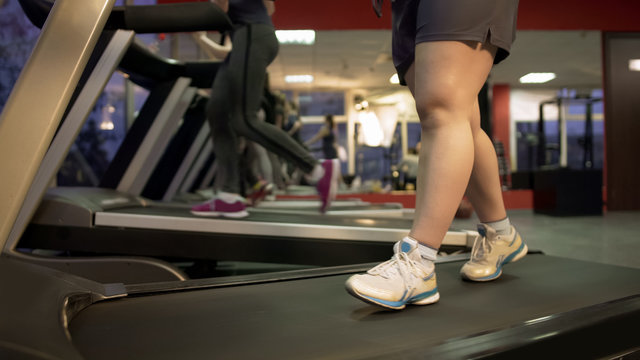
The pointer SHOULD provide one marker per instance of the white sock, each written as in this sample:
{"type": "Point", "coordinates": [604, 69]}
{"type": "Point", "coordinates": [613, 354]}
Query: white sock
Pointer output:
{"type": "Point", "coordinates": [502, 227]}
{"type": "Point", "coordinates": [316, 174]}
{"type": "Point", "coordinates": [427, 253]}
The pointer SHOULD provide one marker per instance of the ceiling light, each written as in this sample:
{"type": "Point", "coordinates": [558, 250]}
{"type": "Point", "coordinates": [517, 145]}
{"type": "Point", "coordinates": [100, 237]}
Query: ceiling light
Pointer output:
{"type": "Point", "coordinates": [394, 79]}
{"type": "Point", "coordinates": [298, 79]}
{"type": "Point", "coordinates": [634, 64]}
{"type": "Point", "coordinates": [537, 78]}
{"type": "Point", "coordinates": [296, 37]}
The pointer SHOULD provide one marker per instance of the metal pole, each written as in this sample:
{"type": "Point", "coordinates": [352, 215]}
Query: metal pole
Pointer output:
{"type": "Point", "coordinates": [60, 55]}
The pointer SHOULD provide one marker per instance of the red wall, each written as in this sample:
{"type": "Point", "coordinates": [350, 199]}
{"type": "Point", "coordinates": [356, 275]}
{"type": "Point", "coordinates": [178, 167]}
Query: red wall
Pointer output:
{"type": "Point", "coordinates": [609, 15]}
{"type": "Point", "coordinates": [500, 114]}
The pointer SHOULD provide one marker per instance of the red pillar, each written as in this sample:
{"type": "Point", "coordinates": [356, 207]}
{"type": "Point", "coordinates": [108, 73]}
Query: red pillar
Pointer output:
{"type": "Point", "coordinates": [500, 114]}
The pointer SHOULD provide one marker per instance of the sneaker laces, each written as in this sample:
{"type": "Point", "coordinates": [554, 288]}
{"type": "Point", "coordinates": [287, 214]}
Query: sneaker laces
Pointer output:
{"type": "Point", "coordinates": [481, 246]}
{"type": "Point", "coordinates": [399, 264]}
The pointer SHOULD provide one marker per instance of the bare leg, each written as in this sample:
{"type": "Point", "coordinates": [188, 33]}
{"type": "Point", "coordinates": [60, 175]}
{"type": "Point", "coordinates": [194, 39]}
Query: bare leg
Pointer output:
{"type": "Point", "coordinates": [445, 80]}
{"type": "Point", "coordinates": [484, 190]}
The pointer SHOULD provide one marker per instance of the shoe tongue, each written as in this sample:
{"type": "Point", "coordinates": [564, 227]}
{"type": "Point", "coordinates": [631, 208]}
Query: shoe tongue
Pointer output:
{"type": "Point", "coordinates": [406, 246]}
{"type": "Point", "coordinates": [485, 230]}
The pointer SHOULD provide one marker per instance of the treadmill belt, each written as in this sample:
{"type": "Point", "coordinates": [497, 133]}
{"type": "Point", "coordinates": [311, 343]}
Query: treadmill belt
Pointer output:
{"type": "Point", "coordinates": [316, 318]}
{"type": "Point", "coordinates": [268, 217]}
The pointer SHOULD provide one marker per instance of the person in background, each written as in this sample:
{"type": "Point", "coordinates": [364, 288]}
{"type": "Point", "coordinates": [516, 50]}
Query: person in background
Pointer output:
{"type": "Point", "coordinates": [293, 124]}
{"type": "Point", "coordinates": [212, 48]}
{"type": "Point", "coordinates": [327, 134]}
{"type": "Point", "coordinates": [258, 177]}
{"type": "Point", "coordinates": [232, 111]}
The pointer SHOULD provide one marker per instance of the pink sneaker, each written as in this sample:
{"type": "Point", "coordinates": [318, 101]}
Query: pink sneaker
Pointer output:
{"type": "Point", "coordinates": [217, 207]}
{"type": "Point", "coordinates": [328, 185]}
{"type": "Point", "coordinates": [258, 192]}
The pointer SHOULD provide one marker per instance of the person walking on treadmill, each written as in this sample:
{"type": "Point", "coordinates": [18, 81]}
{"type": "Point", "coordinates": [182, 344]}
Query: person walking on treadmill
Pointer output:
{"type": "Point", "coordinates": [443, 51]}
{"type": "Point", "coordinates": [327, 134]}
{"type": "Point", "coordinates": [232, 111]}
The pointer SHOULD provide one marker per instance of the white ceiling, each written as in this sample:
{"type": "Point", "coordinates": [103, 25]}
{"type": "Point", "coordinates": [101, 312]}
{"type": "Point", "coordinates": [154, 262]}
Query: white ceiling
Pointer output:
{"type": "Point", "coordinates": [361, 59]}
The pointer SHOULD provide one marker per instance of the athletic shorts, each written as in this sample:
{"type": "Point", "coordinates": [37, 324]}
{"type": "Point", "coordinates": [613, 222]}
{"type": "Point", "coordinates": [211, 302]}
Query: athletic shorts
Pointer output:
{"type": "Point", "coordinates": [416, 21]}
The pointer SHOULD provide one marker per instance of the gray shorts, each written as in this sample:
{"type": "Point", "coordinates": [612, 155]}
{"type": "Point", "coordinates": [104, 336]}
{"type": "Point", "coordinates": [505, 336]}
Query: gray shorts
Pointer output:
{"type": "Point", "coordinates": [416, 21]}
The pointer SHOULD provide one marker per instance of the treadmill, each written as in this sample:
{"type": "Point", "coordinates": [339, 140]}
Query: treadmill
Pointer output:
{"type": "Point", "coordinates": [116, 220]}
{"type": "Point", "coordinates": [541, 306]}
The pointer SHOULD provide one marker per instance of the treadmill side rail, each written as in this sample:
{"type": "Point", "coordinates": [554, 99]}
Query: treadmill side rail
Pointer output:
{"type": "Point", "coordinates": [76, 206]}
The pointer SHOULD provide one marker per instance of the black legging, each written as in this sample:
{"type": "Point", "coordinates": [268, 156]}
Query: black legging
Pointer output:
{"type": "Point", "coordinates": [235, 100]}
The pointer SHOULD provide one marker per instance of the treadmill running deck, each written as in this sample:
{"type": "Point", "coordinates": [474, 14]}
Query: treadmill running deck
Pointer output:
{"type": "Point", "coordinates": [316, 318]}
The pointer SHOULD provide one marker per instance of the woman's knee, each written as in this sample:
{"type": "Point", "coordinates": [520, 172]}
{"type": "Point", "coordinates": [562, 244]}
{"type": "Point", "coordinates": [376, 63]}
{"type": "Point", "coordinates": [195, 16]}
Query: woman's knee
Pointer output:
{"type": "Point", "coordinates": [248, 126]}
{"type": "Point", "coordinates": [437, 111]}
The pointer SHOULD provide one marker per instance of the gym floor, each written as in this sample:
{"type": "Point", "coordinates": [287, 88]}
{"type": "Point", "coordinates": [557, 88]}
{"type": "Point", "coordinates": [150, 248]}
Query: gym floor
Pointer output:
{"type": "Point", "coordinates": [610, 239]}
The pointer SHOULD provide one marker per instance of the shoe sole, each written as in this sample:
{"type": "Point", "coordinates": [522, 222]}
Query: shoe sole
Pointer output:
{"type": "Point", "coordinates": [235, 215]}
{"type": "Point", "coordinates": [498, 273]}
{"type": "Point", "coordinates": [373, 301]}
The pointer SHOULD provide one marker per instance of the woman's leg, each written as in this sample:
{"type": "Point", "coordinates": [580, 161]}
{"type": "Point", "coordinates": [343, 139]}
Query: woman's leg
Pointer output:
{"type": "Point", "coordinates": [445, 80]}
{"type": "Point", "coordinates": [227, 202]}
{"type": "Point", "coordinates": [255, 47]}
{"type": "Point", "coordinates": [484, 189]}
{"type": "Point", "coordinates": [220, 109]}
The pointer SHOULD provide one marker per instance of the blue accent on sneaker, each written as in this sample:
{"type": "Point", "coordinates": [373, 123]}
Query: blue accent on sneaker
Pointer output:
{"type": "Point", "coordinates": [424, 295]}
{"type": "Point", "coordinates": [402, 302]}
{"type": "Point", "coordinates": [492, 276]}
{"type": "Point", "coordinates": [513, 254]}
{"type": "Point", "coordinates": [428, 277]}
{"type": "Point", "coordinates": [391, 304]}
{"type": "Point", "coordinates": [500, 264]}
{"type": "Point", "coordinates": [482, 230]}
{"type": "Point", "coordinates": [405, 247]}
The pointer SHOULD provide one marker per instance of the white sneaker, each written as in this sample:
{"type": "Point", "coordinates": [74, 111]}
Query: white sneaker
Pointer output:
{"type": "Point", "coordinates": [397, 282]}
{"type": "Point", "coordinates": [490, 252]}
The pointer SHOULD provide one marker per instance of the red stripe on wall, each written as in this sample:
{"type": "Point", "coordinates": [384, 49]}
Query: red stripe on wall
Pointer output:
{"type": "Point", "coordinates": [500, 114]}
{"type": "Point", "coordinates": [513, 199]}
{"type": "Point", "coordinates": [611, 15]}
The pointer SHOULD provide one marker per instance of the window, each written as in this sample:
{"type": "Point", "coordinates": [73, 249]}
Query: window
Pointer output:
{"type": "Point", "coordinates": [321, 103]}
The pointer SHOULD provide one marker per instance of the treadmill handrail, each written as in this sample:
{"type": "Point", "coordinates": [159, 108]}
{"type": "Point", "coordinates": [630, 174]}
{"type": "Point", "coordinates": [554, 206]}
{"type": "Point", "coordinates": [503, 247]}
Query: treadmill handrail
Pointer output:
{"type": "Point", "coordinates": [180, 17]}
{"type": "Point", "coordinates": [144, 19]}
{"type": "Point", "coordinates": [146, 68]}
{"type": "Point", "coordinates": [66, 43]}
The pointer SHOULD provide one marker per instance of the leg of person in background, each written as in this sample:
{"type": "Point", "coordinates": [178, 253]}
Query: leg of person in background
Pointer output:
{"type": "Point", "coordinates": [263, 163]}
{"type": "Point", "coordinates": [276, 168]}
{"type": "Point", "coordinates": [258, 184]}
{"type": "Point", "coordinates": [445, 80]}
{"type": "Point", "coordinates": [227, 200]}
{"type": "Point", "coordinates": [254, 48]}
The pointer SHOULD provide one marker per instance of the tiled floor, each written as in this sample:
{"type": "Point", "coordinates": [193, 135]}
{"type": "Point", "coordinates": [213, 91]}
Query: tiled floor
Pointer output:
{"type": "Point", "coordinates": [613, 238]}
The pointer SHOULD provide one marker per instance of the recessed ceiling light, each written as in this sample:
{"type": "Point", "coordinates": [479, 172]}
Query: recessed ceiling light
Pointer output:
{"type": "Point", "coordinates": [296, 37]}
{"type": "Point", "coordinates": [537, 78]}
{"type": "Point", "coordinates": [634, 64]}
{"type": "Point", "coordinates": [394, 79]}
{"type": "Point", "coordinates": [298, 79]}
